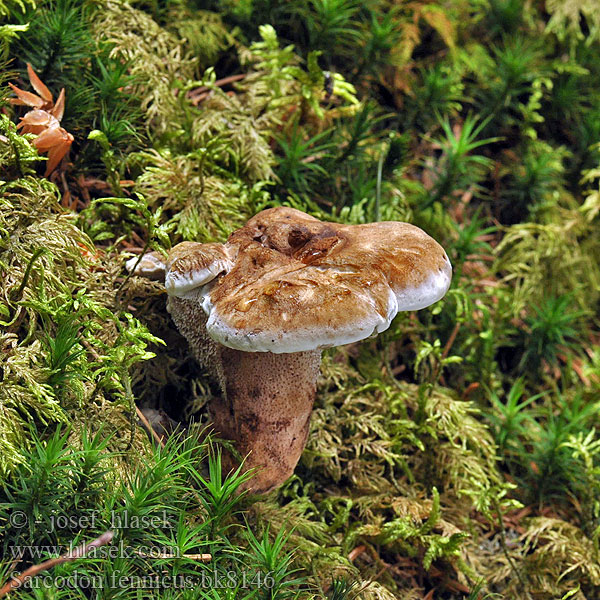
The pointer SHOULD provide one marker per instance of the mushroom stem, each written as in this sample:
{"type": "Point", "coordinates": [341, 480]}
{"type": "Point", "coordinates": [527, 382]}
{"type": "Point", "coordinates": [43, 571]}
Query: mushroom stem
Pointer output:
{"type": "Point", "coordinates": [266, 410]}
{"type": "Point", "coordinates": [266, 403]}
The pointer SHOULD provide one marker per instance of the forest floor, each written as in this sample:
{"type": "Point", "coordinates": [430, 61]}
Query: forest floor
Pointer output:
{"type": "Point", "coordinates": [456, 455]}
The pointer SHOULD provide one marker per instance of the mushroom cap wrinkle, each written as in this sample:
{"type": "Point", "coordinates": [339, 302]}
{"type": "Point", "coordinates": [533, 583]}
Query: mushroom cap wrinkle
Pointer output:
{"type": "Point", "coordinates": [287, 282]}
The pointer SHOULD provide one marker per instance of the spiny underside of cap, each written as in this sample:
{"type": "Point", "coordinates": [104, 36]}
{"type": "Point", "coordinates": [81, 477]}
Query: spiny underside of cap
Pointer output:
{"type": "Point", "coordinates": [190, 320]}
{"type": "Point", "coordinates": [287, 282]}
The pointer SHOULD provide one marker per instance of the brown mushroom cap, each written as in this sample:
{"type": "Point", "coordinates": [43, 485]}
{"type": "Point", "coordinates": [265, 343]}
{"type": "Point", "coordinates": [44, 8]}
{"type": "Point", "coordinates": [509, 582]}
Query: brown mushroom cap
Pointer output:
{"type": "Point", "coordinates": [287, 282]}
{"type": "Point", "coordinates": [191, 265]}
{"type": "Point", "coordinates": [151, 265]}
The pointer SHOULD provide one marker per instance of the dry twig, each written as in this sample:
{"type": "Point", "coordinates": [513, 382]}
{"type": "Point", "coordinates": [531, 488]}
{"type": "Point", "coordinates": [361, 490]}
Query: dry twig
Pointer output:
{"type": "Point", "coordinates": [34, 570]}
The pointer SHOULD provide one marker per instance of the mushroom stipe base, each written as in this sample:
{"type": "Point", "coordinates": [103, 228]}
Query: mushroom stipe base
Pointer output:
{"type": "Point", "coordinates": [266, 410]}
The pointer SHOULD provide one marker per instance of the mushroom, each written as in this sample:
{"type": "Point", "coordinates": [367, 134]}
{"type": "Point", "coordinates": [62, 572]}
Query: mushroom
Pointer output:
{"type": "Point", "coordinates": [259, 309]}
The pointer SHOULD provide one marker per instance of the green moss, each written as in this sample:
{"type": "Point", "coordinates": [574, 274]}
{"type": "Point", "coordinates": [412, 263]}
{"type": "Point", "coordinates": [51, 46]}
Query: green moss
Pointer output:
{"type": "Point", "coordinates": [474, 120]}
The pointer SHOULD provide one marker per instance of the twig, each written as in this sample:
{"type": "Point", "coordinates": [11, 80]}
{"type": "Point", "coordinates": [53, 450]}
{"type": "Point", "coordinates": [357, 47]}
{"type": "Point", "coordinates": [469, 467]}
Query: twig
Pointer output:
{"type": "Point", "coordinates": [470, 388]}
{"type": "Point", "coordinates": [356, 552]}
{"type": "Point", "coordinates": [576, 365]}
{"type": "Point", "coordinates": [197, 95]}
{"type": "Point", "coordinates": [378, 183]}
{"type": "Point", "coordinates": [450, 340]}
{"type": "Point", "coordinates": [149, 428]}
{"type": "Point", "coordinates": [32, 571]}
{"type": "Point", "coordinates": [381, 571]}
{"type": "Point", "coordinates": [502, 532]}
{"type": "Point", "coordinates": [137, 262]}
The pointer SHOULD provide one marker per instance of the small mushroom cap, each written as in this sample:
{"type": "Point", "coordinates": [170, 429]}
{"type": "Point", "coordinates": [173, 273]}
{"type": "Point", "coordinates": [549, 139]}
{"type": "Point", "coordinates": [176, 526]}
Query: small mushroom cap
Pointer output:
{"type": "Point", "coordinates": [151, 265]}
{"type": "Point", "coordinates": [191, 265]}
{"type": "Point", "coordinates": [287, 282]}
